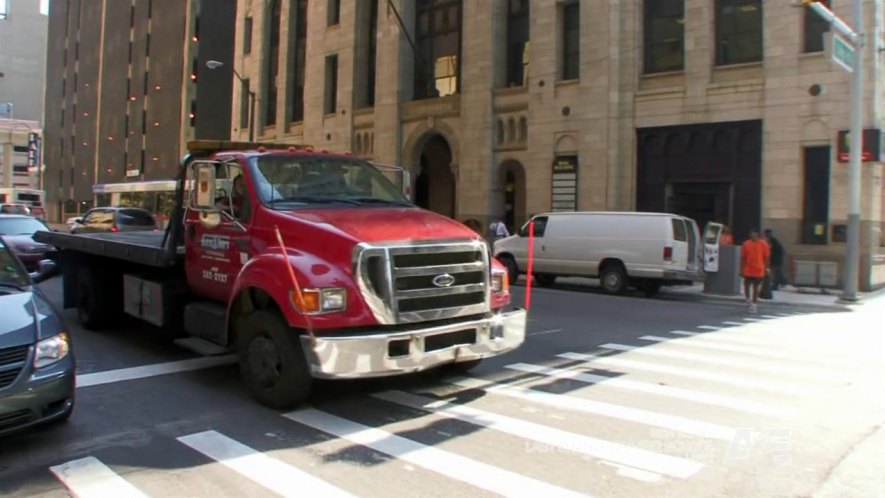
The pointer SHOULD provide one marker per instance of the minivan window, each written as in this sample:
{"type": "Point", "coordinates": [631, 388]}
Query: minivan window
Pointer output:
{"type": "Point", "coordinates": [540, 227]}
{"type": "Point", "coordinates": [679, 232]}
{"type": "Point", "coordinates": [135, 217]}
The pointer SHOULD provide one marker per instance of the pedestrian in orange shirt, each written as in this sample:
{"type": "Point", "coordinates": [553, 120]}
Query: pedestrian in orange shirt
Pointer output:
{"type": "Point", "coordinates": [755, 256]}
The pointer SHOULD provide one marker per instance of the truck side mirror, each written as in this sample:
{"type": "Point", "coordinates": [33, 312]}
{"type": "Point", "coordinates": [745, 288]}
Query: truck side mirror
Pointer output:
{"type": "Point", "coordinates": [203, 194]}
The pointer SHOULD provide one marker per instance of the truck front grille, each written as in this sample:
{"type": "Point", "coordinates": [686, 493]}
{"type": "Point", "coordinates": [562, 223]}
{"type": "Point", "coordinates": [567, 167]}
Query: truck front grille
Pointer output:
{"type": "Point", "coordinates": [12, 360]}
{"type": "Point", "coordinates": [424, 282]}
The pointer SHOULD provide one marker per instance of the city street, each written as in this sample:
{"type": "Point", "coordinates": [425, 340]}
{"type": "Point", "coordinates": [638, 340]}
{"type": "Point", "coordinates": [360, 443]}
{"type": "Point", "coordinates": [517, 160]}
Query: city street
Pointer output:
{"type": "Point", "coordinates": [610, 396]}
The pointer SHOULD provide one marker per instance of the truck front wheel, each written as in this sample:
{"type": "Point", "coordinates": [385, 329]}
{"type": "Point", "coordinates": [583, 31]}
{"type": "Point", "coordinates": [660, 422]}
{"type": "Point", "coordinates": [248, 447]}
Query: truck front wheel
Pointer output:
{"type": "Point", "coordinates": [272, 362]}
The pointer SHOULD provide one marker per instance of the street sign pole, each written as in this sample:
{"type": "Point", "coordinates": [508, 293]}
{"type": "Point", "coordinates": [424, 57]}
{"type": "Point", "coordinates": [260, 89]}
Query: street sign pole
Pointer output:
{"type": "Point", "coordinates": [850, 58]}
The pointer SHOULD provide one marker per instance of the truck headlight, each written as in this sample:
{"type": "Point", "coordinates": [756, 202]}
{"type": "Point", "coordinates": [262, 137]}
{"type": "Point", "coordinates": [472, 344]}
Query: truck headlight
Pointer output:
{"type": "Point", "coordinates": [500, 281]}
{"type": "Point", "coordinates": [320, 300]}
{"type": "Point", "coordinates": [51, 350]}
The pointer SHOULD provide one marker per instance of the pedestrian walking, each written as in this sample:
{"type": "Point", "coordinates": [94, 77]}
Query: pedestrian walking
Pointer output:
{"type": "Point", "coordinates": [777, 260]}
{"type": "Point", "coordinates": [755, 260]}
{"type": "Point", "coordinates": [498, 230]}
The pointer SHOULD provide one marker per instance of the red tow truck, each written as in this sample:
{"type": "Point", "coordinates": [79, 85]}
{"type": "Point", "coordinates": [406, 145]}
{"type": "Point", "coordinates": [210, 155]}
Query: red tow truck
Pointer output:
{"type": "Point", "coordinates": [306, 264]}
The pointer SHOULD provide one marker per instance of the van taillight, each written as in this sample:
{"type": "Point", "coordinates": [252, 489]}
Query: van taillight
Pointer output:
{"type": "Point", "coordinates": [114, 228]}
{"type": "Point", "coordinates": [668, 253]}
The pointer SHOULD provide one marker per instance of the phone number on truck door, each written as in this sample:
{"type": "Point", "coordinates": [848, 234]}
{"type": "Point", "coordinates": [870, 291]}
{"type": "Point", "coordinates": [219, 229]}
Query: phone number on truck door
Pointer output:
{"type": "Point", "coordinates": [214, 276]}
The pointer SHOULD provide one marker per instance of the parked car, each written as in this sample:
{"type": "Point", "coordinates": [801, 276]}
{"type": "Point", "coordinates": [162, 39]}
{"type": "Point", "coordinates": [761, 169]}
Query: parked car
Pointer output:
{"type": "Point", "coordinates": [115, 219]}
{"type": "Point", "coordinates": [622, 249]}
{"type": "Point", "coordinates": [36, 358]}
{"type": "Point", "coordinates": [15, 209]}
{"type": "Point", "coordinates": [18, 231]}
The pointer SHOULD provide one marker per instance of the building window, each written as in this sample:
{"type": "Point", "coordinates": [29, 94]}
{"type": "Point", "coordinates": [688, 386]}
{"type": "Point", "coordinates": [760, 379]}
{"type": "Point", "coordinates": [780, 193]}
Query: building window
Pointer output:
{"type": "Point", "coordinates": [300, 50]}
{"type": "Point", "coordinates": [372, 44]}
{"type": "Point", "coordinates": [438, 41]}
{"type": "Point", "coordinates": [664, 35]}
{"type": "Point", "coordinates": [517, 42]}
{"type": "Point", "coordinates": [738, 31]}
{"type": "Point", "coordinates": [816, 210]}
{"type": "Point", "coordinates": [571, 41]}
{"type": "Point", "coordinates": [815, 27]}
{"type": "Point", "coordinates": [330, 99]}
{"type": "Point", "coordinates": [273, 65]}
{"type": "Point", "coordinates": [247, 36]}
{"type": "Point", "coordinates": [333, 12]}
{"type": "Point", "coordinates": [244, 103]}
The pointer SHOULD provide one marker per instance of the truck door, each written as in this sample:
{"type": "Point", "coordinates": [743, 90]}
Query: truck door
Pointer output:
{"type": "Point", "coordinates": [712, 232]}
{"type": "Point", "coordinates": [216, 251]}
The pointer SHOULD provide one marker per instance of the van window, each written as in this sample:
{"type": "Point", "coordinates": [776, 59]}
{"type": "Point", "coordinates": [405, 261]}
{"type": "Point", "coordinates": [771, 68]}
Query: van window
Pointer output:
{"type": "Point", "coordinates": [135, 217]}
{"type": "Point", "coordinates": [540, 227]}
{"type": "Point", "coordinates": [679, 232]}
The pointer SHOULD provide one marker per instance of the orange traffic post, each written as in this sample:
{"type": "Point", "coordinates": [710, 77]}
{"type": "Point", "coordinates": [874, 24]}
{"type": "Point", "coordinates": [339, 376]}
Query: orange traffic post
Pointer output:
{"type": "Point", "coordinates": [531, 257]}
{"type": "Point", "coordinates": [297, 288]}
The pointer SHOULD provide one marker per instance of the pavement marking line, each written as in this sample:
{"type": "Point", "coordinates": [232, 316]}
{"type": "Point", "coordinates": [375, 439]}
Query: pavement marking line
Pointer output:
{"type": "Point", "coordinates": [734, 380]}
{"type": "Point", "coordinates": [601, 449]}
{"type": "Point", "coordinates": [473, 472]}
{"type": "Point", "coordinates": [271, 473]}
{"type": "Point", "coordinates": [758, 341]}
{"type": "Point", "coordinates": [734, 323]}
{"type": "Point", "coordinates": [694, 342]}
{"type": "Point", "coordinates": [709, 327]}
{"type": "Point", "coordinates": [770, 317]}
{"type": "Point", "coordinates": [753, 320]}
{"type": "Point", "coordinates": [145, 371]}
{"type": "Point", "coordinates": [544, 332]}
{"type": "Point", "coordinates": [89, 478]}
{"type": "Point", "coordinates": [637, 415]}
{"type": "Point", "coordinates": [809, 373]}
{"type": "Point", "coordinates": [684, 332]}
{"type": "Point", "coordinates": [656, 389]}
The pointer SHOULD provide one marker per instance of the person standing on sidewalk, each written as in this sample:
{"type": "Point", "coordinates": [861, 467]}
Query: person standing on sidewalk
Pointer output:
{"type": "Point", "coordinates": [755, 258]}
{"type": "Point", "coordinates": [777, 260]}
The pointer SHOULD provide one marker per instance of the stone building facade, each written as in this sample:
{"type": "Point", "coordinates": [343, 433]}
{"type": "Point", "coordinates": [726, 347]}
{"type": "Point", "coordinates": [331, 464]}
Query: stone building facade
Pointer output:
{"type": "Point", "coordinates": [22, 59]}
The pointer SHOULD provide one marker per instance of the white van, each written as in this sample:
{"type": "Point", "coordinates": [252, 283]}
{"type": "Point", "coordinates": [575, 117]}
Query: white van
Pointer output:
{"type": "Point", "coordinates": [622, 249]}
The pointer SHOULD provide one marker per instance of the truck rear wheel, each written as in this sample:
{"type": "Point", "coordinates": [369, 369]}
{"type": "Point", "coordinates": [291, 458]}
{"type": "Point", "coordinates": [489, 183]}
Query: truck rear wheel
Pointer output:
{"type": "Point", "coordinates": [272, 362]}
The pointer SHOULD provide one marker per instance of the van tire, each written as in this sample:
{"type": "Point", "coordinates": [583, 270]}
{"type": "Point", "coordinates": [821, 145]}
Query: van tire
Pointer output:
{"type": "Point", "coordinates": [272, 362]}
{"type": "Point", "coordinates": [613, 278]}
{"type": "Point", "coordinates": [512, 268]}
{"type": "Point", "coordinates": [545, 280]}
{"type": "Point", "coordinates": [651, 288]}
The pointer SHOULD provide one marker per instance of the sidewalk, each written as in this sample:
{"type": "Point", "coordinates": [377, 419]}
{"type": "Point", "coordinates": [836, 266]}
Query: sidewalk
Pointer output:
{"type": "Point", "coordinates": [787, 296]}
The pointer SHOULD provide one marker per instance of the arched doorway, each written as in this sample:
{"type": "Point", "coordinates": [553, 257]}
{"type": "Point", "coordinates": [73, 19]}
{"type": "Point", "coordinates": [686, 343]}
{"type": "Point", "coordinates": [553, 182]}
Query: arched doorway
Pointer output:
{"type": "Point", "coordinates": [512, 181]}
{"type": "Point", "coordinates": [434, 181]}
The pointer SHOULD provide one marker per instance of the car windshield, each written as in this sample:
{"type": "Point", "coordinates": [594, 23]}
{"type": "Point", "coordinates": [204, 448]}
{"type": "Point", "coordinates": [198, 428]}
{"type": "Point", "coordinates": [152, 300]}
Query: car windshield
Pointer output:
{"type": "Point", "coordinates": [11, 272]}
{"type": "Point", "coordinates": [21, 226]}
{"type": "Point", "coordinates": [286, 181]}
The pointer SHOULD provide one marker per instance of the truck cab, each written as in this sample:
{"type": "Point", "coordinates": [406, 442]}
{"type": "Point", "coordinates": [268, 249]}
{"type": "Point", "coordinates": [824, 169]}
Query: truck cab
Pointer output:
{"type": "Point", "coordinates": [308, 265]}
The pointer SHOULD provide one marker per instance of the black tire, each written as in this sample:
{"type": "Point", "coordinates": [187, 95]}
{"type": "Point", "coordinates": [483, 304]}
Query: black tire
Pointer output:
{"type": "Point", "coordinates": [272, 362]}
{"type": "Point", "coordinates": [613, 278]}
{"type": "Point", "coordinates": [545, 280]}
{"type": "Point", "coordinates": [650, 289]}
{"type": "Point", "coordinates": [94, 304]}
{"type": "Point", "coordinates": [512, 268]}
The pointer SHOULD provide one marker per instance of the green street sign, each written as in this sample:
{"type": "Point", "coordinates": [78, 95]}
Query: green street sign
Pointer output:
{"type": "Point", "coordinates": [843, 54]}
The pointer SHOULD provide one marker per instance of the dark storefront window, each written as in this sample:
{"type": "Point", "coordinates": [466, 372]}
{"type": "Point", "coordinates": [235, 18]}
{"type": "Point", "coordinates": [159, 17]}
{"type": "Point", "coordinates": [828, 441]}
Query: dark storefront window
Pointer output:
{"type": "Point", "coordinates": [816, 208]}
{"type": "Point", "coordinates": [273, 65]}
{"type": "Point", "coordinates": [299, 8]}
{"type": "Point", "coordinates": [517, 42]}
{"type": "Point", "coordinates": [664, 35]}
{"type": "Point", "coordinates": [370, 34]}
{"type": "Point", "coordinates": [738, 31]}
{"type": "Point", "coordinates": [815, 27]}
{"type": "Point", "coordinates": [438, 41]}
{"type": "Point", "coordinates": [571, 41]}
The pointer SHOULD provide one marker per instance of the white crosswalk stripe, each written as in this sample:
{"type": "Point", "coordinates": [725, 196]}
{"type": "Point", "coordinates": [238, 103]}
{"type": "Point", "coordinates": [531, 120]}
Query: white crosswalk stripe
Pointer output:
{"type": "Point", "coordinates": [598, 448]}
{"type": "Point", "coordinates": [646, 417]}
{"type": "Point", "coordinates": [808, 373]}
{"type": "Point", "coordinates": [723, 378]}
{"type": "Point", "coordinates": [273, 474]}
{"type": "Point", "coordinates": [655, 389]}
{"type": "Point", "coordinates": [454, 466]}
{"type": "Point", "coordinates": [89, 478]}
{"type": "Point", "coordinates": [692, 342]}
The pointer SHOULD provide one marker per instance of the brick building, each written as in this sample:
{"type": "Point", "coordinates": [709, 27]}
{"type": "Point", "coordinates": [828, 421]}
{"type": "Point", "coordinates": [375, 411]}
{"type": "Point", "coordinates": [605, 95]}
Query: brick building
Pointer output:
{"type": "Point", "coordinates": [127, 86]}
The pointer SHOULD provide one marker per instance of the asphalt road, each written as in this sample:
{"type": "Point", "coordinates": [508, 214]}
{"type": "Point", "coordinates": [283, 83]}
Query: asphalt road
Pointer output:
{"type": "Point", "coordinates": [654, 397]}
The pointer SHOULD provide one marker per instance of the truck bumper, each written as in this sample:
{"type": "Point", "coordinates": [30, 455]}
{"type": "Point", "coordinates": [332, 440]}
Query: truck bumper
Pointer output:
{"type": "Point", "coordinates": [376, 354]}
{"type": "Point", "coordinates": [683, 275]}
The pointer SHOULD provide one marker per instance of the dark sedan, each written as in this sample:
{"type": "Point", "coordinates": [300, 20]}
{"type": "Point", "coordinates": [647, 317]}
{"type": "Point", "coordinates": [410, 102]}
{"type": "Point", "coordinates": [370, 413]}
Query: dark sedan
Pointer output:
{"type": "Point", "coordinates": [36, 359]}
{"type": "Point", "coordinates": [18, 232]}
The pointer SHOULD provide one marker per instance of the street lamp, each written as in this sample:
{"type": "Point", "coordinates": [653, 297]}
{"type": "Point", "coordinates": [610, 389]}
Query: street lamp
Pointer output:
{"type": "Point", "coordinates": [218, 64]}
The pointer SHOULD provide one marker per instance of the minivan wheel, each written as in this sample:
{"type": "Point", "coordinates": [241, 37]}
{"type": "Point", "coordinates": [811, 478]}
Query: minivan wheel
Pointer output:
{"type": "Point", "coordinates": [613, 279]}
{"type": "Point", "coordinates": [272, 362]}
{"type": "Point", "coordinates": [512, 268]}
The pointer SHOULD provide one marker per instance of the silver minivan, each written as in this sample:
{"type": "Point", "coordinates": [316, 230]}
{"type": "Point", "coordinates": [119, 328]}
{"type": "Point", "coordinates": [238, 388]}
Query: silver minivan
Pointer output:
{"type": "Point", "coordinates": [621, 249]}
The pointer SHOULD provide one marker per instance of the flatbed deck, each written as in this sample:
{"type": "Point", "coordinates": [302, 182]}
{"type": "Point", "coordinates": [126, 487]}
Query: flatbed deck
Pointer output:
{"type": "Point", "coordinates": [144, 248]}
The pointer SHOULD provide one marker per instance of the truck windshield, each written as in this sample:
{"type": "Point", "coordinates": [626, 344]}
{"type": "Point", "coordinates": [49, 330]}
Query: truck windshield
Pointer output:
{"type": "Point", "coordinates": [287, 181]}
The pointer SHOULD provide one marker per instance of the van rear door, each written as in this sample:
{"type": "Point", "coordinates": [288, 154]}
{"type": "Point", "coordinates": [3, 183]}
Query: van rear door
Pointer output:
{"type": "Point", "coordinates": [680, 254]}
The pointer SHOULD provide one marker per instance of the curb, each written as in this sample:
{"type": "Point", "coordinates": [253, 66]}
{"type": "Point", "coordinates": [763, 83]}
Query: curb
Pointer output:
{"type": "Point", "coordinates": [739, 301]}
